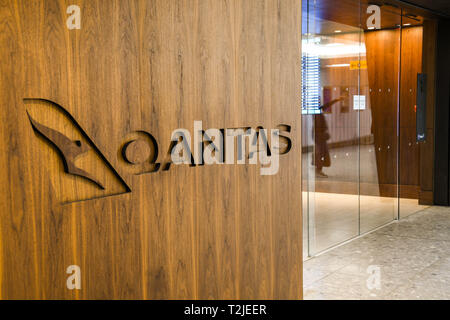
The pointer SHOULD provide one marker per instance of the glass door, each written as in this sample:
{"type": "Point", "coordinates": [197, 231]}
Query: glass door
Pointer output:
{"type": "Point", "coordinates": [359, 152]}
{"type": "Point", "coordinates": [331, 51]}
{"type": "Point", "coordinates": [379, 79]}
{"type": "Point", "coordinates": [409, 150]}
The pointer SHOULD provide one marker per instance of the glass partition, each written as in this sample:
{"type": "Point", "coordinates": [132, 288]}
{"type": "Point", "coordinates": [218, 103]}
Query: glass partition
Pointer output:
{"type": "Point", "coordinates": [359, 154]}
{"type": "Point", "coordinates": [330, 123]}
{"type": "Point", "coordinates": [379, 119]}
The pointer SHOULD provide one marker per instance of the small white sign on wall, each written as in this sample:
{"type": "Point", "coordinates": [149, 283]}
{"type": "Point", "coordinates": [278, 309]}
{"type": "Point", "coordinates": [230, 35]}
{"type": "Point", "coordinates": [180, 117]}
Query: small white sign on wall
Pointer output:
{"type": "Point", "coordinates": [359, 102]}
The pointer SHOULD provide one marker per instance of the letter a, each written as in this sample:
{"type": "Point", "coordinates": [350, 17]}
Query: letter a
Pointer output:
{"type": "Point", "coordinates": [74, 280]}
{"type": "Point", "coordinates": [374, 21]}
{"type": "Point", "coordinates": [74, 20]}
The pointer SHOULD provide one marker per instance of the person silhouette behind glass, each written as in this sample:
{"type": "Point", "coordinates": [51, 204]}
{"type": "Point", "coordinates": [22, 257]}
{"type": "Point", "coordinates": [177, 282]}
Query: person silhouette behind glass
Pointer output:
{"type": "Point", "coordinates": [321, 135]}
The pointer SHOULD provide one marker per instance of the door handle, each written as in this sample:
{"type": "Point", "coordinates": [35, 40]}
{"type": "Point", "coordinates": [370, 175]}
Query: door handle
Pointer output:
{"type": "Point", "coordinates": [421, 112]}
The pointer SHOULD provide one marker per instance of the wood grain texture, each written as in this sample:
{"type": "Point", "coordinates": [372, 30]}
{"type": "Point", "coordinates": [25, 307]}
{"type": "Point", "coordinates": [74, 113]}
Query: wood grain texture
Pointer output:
{"type": "Point", "coordinates": [383, 52]}
{"type": "Point", "coordinates": [205, 232]}
{"type": "Point", "coordinates": [411, 66]}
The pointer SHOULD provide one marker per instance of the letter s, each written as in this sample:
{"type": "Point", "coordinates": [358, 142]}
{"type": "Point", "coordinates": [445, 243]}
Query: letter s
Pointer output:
{"type": "Point", "coordinates": [286, 141]}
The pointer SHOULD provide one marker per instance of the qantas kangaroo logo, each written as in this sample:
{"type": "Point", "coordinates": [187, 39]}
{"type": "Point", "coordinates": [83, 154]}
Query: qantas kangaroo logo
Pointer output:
{"type": "Point", "coordinates": [80, 157]}
{"type": "Point", "coordinates": [68, 149]}
{"type": "Point", "coordinates": [139, 154]}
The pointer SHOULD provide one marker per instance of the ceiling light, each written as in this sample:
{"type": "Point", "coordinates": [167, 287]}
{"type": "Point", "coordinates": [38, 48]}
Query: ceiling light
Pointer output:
{"type": "Point", "coordinates": [338, 65]}
{"type": "Point", "coordinates": [337, 31]}
{"type": "Point", "coordinates": [326, 52]}
{"type": "Point", "coordinates": [407, 24]}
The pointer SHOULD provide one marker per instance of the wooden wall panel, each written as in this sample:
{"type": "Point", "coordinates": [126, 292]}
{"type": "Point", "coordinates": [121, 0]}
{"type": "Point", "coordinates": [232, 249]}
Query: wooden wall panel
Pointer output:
{"type": "Point", "coordinates": [200, 232]}
{"type": "Point", "coordinates": [427, 148]}
{"type": "Point", "coordinates": [441, 191]}
{"type": "Point", "coordinates": [383, 52]}
{"type": "Point", "coordinates": [383, 55]}
{"type": "Point", "coordinates": [411, 66]}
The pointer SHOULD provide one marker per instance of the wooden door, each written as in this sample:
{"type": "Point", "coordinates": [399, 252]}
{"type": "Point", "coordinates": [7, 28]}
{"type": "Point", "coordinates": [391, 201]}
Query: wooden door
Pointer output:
{"type": "Point", "coordinates": [86, 121]}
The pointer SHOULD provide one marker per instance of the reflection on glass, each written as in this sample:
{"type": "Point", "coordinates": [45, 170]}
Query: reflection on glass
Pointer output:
{"type": "Point", "coordinates": [330, 129]}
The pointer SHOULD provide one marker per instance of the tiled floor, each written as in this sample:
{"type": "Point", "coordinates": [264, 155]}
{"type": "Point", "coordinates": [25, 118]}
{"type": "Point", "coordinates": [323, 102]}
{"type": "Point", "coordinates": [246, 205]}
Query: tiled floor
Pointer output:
{"type": "Point", "coordinates": [409, 259]}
